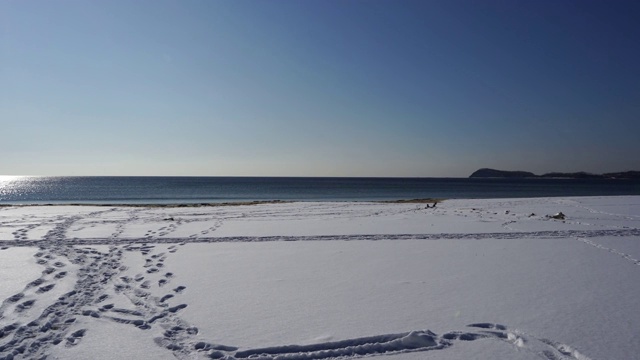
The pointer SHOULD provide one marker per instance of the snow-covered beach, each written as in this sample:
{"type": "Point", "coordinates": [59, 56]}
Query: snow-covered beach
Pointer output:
{"type": "Point", "coordinates": [468, 279]}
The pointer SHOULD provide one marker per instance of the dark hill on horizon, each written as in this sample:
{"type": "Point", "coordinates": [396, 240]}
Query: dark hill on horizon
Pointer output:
{"type": "Point", "coordinates": [493, 173]}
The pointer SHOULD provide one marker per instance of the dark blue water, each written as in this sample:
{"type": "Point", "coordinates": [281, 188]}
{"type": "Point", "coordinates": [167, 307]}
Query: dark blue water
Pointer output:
{"type": "Point", "coordinates": [171, 190]}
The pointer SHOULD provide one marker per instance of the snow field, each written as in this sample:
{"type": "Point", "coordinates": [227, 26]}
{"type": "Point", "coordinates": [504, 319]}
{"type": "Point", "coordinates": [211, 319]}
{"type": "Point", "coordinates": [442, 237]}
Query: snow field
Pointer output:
{"type": "Point", "coordinates": [468, 279]}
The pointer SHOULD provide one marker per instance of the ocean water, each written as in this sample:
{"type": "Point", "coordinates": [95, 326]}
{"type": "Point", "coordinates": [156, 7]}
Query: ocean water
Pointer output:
{"type": "Point", "coordinates": [174, 190]}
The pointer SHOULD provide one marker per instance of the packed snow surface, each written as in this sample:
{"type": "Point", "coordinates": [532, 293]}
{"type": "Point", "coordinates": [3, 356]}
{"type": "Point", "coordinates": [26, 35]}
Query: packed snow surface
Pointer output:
{"type": "Point", "coordinates": [546, 278]}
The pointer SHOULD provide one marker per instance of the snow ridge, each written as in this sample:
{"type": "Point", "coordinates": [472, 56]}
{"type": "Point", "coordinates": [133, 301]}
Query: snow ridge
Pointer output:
{"type": "Point", "coordinates": [414, 340]}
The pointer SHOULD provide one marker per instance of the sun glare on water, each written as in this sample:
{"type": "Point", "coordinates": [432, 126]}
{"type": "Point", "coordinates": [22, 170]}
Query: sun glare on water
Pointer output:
{"type": "Point", "coordinates": [10, 178]}
{"type": "Point", "coordinates": [11, 185]}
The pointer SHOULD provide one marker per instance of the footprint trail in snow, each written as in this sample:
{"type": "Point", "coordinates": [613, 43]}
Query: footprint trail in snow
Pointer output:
{"type": "Point", "coordinates": [102, 277]}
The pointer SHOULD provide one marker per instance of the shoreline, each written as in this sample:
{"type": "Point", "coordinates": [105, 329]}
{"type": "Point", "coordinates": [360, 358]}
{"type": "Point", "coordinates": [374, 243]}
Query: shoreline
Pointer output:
{"type": "Point", "coordinates": [277, 201]}
{"type": "Point", "coordinates": [201, 192]}
{"type": "Point", "coordinates": [233, 203]}
{"type": "Point", "coordinates": [158, 205]}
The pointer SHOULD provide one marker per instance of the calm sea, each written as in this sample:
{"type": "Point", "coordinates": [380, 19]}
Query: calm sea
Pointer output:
{"type": "Point", "coordinates": [172, 190]}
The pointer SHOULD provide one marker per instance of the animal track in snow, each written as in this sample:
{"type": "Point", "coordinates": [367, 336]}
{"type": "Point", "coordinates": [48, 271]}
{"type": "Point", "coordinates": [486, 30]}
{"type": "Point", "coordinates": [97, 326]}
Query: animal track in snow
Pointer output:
{"type": "Point", "coordinates": [611, 250]}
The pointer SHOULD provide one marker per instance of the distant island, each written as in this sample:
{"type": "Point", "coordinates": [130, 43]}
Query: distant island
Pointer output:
{"type": "Point", "coordinates": [493, 173]}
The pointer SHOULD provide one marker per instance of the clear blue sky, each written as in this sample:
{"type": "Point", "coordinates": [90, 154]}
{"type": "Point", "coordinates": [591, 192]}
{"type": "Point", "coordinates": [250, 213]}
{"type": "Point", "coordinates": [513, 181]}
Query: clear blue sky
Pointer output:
{"type": "Point", "coordinates": [318, 88]}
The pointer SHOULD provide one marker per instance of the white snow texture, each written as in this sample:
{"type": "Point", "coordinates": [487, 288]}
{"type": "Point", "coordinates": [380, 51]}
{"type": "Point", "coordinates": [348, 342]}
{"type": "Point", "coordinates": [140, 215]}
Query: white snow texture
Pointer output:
{"type": "Point", "coordinates": [467, 279]}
